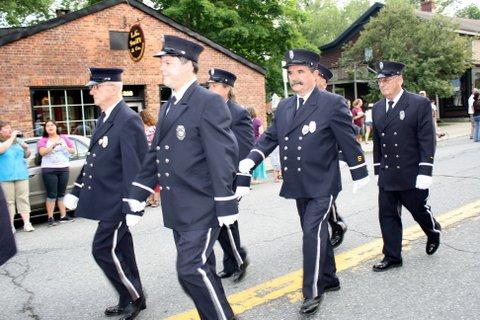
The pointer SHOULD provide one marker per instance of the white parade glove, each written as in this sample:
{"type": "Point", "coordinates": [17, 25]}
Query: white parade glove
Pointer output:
{"type": "Point", "coordinates": [241, 191]}
{"type": "Point", "coordinates": [342, 164]}
{"type": "Point", "coordinates": [133, 219]}
{"type": "Point", "coordinates": [227, 220]}
{"type": "Point", "coordinates": [246, 165]}
{"type": "Point", "coordinates": [358, 184]}
{"type": "Point", "coordinates": [70, 201]}
{"type": "Point", "coordinates": [423, 182]}
{"type": "Point", "coordinates": [135, 205]}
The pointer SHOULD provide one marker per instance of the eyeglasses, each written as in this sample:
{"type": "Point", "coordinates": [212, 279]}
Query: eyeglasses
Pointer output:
{"type": "Point", "coordinates": [98, 85]}
{"type": "Point", "coordinates": [386, 80]}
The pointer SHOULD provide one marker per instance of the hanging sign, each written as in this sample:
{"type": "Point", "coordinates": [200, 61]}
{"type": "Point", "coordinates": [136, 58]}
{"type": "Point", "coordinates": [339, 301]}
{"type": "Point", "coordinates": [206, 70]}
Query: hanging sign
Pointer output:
{"type": "Point", "coordinates": [136, 43]}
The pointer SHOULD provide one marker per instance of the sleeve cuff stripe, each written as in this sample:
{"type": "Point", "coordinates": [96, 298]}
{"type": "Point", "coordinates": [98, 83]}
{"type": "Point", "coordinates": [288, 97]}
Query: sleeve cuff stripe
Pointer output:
{"type": "Point", "coordinates": [359, 166]}
{"type": "Point", "coordinates": [425, 164]}
{"type": "Point", "coordinates": [260, 152]}
{"type": "Point", "coordinates": [225, 198]}
{"type": "Point", "coordinates": [78, 185]}
{"type": "Point", "coordinates": [144, 187]}
{"type": "Point", "coordinates": [376, 164]}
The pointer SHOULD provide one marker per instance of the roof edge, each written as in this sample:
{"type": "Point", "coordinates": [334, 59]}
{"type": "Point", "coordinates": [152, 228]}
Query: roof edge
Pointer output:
{"type": "Point", "coordinates": [55, 22]}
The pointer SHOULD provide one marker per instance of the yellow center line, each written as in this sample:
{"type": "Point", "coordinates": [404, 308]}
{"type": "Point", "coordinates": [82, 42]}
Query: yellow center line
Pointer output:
{"type": "Point", "coordinates": [289, 285]}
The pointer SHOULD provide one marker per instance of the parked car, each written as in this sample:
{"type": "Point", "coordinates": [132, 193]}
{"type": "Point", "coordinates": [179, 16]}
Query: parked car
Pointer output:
{"type": "Point", "coordinates": [37, 188]}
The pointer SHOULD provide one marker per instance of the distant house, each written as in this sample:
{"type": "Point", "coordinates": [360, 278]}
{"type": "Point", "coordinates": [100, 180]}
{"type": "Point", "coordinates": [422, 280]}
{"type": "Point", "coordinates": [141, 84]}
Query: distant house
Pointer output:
{"type": "Point", "coordinates": [356, 85]}
{"type": "Point", "coordinates": [44, 67]}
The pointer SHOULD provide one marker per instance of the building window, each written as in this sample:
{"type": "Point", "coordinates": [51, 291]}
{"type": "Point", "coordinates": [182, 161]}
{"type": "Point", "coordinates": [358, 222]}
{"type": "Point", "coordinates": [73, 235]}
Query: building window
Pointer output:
{"type": "Point", "coordinates": [71, 108]}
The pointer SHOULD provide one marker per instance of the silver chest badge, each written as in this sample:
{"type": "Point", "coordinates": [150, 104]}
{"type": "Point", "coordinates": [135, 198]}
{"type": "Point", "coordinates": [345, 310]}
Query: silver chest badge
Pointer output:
{"type": "Point", "coordinates": [402, 115]}
{"type": "Point", "coordinates": [181, 132]}
{"type": "Point", "coordinates": [305, 129]}
{"type": "Point", "coordinates": [312, 126]}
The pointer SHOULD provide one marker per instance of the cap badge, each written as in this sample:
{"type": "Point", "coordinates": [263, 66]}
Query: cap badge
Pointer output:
{"type": "Point", "coordinates": [380, 65]}
{"type": "Point", "coordinates": [212, 71]}
{"type": "Point", "coordinates": [290, 54]}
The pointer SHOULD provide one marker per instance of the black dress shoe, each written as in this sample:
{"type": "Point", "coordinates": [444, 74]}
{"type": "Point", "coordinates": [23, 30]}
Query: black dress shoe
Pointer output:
{"type": "Point", "coordinates": [338, 232]}
{"type": "Point", "coordinates": [114, 311]}
{"type": "Point", "coordinates": [432, 245]}
{"type": "Point", "coordinates": [223, 274]}
{"type": "Point", "coordinates": [240, 274]}
{"type": "Point", "coordinates": [332, 287]}
{"type": "Point", "coordinates": [132, 309]}
{"type": "Point", "coordinates": [385, 265]}
{"type": "Point", "coordinates": [310, 306]}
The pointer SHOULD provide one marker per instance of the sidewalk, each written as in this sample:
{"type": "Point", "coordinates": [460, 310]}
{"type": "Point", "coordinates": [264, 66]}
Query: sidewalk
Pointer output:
{"type": "Point", "coordinates": [453, 128]}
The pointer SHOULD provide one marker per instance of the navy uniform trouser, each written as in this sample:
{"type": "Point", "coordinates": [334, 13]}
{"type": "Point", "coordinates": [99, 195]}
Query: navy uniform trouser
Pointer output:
{"type": "Point", "coordinates": [233, 253]}
{"type": "Point", "coordinates": [197, 275]}
{"type": "Point", "coordinates": [390, 207]}
{"type": "Point", "coordinates": [318, 258]}
{"type": "Point", "coordinates": [113, 251]}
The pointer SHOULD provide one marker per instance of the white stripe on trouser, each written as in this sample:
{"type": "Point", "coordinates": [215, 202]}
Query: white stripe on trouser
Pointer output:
{"type": "Point", "coordinates": [131, 289]}
{"type": "Point", "coordinates": [208, 283]}
{"type": "Point", "coordinates": [237, 255]}
{"type": "Point", "coordinates": [430, 212]}
{"type": "Point", "coordinates": [317, 260]}
{"type": "Point", "coordinates": [334, 214]}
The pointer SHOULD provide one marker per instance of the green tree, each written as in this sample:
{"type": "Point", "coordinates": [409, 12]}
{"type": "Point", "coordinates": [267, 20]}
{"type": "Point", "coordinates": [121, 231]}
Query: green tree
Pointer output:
{"type": "Point", "coordinates": [470, 12]}
{"type": "Point", "coordinates": [14, 13]}
{"type": "Point", "coordinates": [432, 52]}
{"type": "Point", "coordinates": [259, 30]}
{"type": "Point", "coordinates": [325, 21]}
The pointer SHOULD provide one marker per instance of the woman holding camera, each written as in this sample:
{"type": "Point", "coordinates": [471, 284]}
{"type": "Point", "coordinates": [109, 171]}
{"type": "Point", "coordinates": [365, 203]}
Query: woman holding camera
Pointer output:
{"type": "Point", "coordinates": [14, 174]}
{"type": "Point", "coordinates": [55, 150]}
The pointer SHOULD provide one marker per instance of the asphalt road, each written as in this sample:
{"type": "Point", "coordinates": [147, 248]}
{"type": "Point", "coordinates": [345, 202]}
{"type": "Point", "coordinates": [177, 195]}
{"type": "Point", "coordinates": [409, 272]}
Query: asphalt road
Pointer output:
{"type": "Point", "coordinates": [55, 277]}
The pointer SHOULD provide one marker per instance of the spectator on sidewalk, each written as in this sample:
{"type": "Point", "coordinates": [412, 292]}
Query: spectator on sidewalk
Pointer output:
{"type": "Point", "coordinates": [368, 122]}
{"type": "Point", "coordinates": [55, 149]}
{"type": "Point", "coordinates": [149, 124]}
{"type": "Point", "coordinates": [476, 116]}
{"type": "Point", "coordinates": [260, 173]}
{"type": "Point", "coordinates": [14, 174]}
{"type": "Point", "coordinates": [471, 111]}
{"type": "Point", "coordinates": [357, 116]}
{"type": "Point", "coordinates": [438, 133]}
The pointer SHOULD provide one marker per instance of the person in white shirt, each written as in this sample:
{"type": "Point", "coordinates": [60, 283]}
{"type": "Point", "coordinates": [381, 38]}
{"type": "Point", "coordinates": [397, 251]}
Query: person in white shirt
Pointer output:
{"type": "Point", "coordinates": [471, 111]}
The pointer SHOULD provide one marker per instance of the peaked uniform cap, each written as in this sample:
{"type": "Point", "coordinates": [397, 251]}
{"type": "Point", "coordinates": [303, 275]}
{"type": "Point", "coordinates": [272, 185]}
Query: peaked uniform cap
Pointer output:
{"type": "Point", "coordinates": [179, 47]}
{"type": "Point", "coordinates": [301, 57]}
{"type": "Point", "coordinates": [388, 68]}
{"type": "Point", "coordinates": [222, 76]}
{"type": "Point", "coordinates": [100, 75]}
{"type": "Point", "coordinates": [324, 72]}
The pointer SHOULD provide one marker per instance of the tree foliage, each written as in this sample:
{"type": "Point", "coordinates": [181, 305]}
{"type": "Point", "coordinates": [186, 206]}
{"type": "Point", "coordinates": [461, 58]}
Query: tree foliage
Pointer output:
{"type": "Point", "coordinates": [14, 13]}
{"type": "Point", "coordinates": [325, 20]}
{"type": "Point", "coordinates": [259, 30]}
{"type": "Point", "coordinates": [470, 12]}
{"type": "Point", "coordinates": [433, 53]}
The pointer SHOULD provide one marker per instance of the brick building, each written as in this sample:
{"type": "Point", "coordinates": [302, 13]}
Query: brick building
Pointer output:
{"type": "Point", "coordinates": [44, 67]}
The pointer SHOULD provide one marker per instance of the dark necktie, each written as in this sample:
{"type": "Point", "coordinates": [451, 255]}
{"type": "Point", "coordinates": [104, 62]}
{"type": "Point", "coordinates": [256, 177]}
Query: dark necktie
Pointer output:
{"type": "Point", "coordinates": [100, 119]}
{"type": "Point", "coordinates": [170, 104]}
{"type": "Point", "coordinates": [390, 106]}
{"type": "Point", "coordinates": [299, 105]}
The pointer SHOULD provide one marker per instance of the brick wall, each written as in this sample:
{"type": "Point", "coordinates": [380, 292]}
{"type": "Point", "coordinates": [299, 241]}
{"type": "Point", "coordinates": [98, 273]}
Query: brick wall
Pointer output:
{"type": "Point", "coordinates": [59, 57]}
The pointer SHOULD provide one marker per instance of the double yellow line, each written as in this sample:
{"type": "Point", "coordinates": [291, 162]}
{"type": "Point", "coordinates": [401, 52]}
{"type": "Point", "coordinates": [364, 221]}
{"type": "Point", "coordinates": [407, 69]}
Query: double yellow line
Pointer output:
{"type": "Point", "coordinates": [290, 284]}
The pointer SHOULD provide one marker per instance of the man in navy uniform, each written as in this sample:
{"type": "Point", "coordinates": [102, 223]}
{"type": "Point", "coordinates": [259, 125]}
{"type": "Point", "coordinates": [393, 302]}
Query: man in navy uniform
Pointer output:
{"type": "Point", "coordinates": [308, 127]}
{"type": "Point", "coordinates": [235, 260]}
{"type": "Point", "coordinates": [403, 151]}
{"type": "Point", "coordinates": [192, 158]}
{"type": "Point", "coordinates": [7, 241]}
{"type": "Point", "coordinates": [117, 148]}
{"type": "Point", "coordinates": [335, 221]}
